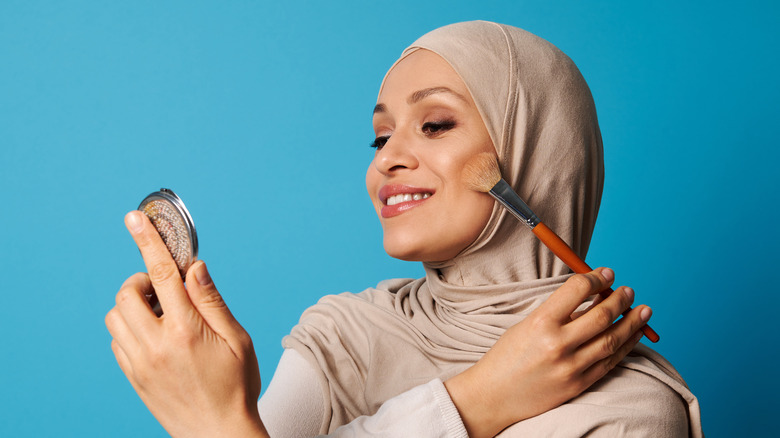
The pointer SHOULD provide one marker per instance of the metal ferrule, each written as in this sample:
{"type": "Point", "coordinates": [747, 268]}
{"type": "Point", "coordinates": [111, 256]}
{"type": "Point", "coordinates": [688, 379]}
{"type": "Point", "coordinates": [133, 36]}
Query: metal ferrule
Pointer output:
{"type": "Point", "coordinates": [504, 194]}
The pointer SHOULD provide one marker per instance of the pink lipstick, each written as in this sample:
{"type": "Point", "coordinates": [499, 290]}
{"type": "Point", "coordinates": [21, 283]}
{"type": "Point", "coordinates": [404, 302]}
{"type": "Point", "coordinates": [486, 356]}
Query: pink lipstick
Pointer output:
{"type": "Point", "coordinates": [399, 198]}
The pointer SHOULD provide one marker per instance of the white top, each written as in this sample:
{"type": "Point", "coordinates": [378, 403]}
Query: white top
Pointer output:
{"type": "Point", "coordinates": [294, 406]}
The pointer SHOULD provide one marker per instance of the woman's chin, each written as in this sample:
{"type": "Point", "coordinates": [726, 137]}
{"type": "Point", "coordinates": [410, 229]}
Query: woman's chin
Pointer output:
{"type": "Point", "coordinates": [416, 253]}
{"type": "Point", "coordinates": [400, 252]}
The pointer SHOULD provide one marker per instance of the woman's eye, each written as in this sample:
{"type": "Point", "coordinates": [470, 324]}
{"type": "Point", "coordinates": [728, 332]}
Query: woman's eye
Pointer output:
{"type": "Point", "coordinates": [379, 142]}
{"type": "Point", "coordinates": [433, 128]}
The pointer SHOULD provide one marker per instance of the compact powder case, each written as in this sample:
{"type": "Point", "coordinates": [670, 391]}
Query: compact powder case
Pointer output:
{"type": "Point", "coordinates": [170, 217]}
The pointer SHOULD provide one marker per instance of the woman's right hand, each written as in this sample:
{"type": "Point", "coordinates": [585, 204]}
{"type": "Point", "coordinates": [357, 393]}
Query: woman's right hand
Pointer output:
{"type": "Point", "coordinates": [550, 357]}
{"type": "Point", "coordinates": [194, 367]}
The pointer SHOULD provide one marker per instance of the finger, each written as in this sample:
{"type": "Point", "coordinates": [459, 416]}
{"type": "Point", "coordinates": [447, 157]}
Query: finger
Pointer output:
{"type": "Point", "coordinates": [600, 368]}
{"type": "Point", "coordinates": [121, 333]}
{"type": "Point", "coordinates": [135, 309]}
{"type": "Point", "coordinates": [591, 304]}
{"type": "Point", "coordinates": [601, 316]}
{"type": "Point", "coordinates": [208, 301]}
{"type": "Point", "coordinates": [564, 301]}
{"type": "Point", "coordinates": [612, 342]}
{"type": "Point", "coordinates": [125, 365]}
{"type": "Point", "coordinates": [163, 272]}
{"type": "Point", "coordinates": [122, 359]}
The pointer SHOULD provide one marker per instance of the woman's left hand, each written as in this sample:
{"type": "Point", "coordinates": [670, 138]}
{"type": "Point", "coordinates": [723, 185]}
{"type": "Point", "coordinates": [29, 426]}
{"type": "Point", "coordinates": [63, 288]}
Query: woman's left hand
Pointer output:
{"type": "Point", "coordinates": [194, 367]}
{"type": "Point", "coordinates": [551, 356]}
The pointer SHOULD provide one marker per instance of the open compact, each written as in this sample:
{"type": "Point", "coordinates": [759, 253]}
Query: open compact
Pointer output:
{"type": "Point", "coordinates": [170, 217]}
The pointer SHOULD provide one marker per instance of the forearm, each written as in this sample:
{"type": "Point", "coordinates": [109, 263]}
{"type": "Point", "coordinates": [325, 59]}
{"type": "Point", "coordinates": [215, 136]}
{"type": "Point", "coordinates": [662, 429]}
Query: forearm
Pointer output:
{"type": "Point", "coordinates": [294, 406]}
{"type": "Point", "coordinates": [425, 410]}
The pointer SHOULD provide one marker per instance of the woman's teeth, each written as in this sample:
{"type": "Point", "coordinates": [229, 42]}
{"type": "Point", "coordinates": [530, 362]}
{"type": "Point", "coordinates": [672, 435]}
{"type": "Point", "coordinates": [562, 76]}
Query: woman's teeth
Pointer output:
{"type": "Point", "coordinates": [406, 197]}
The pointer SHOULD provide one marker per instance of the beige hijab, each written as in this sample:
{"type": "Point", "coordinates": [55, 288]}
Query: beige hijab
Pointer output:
{"type": "Point", "coordinates": [382, 342]}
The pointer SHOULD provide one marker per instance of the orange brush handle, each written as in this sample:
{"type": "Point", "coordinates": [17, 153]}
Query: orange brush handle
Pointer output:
{"type": "Point", "coordinates": [572, 260]}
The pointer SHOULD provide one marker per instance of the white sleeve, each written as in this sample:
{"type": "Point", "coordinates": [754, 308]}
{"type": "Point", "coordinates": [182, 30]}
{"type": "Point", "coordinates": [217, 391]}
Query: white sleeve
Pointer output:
{"type": "Point", "coordinates": [424, 411]}
{"type": "Point", "coordinates": [293, 406]}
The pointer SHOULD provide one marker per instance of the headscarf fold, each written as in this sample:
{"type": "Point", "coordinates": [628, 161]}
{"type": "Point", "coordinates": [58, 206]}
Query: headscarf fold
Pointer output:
{"type": "Point", "coordinates": [540, 115]}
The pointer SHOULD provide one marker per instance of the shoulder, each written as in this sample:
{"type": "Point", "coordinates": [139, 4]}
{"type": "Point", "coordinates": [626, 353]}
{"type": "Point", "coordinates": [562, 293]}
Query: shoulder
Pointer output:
{"type": "Point", "coordinates": [347, 319]}
{"type": "Point", "coordinates": [637, 398]}
{"type": "Point", "coordinates": [341, 337]}
{"type": "Point", "coordinates": [636, 401]}
{"type": "Point", "coordinates": [335, 307]}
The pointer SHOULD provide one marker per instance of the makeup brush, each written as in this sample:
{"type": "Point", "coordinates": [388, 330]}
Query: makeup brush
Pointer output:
{"type": "Point", "coordinates": [483, 175]}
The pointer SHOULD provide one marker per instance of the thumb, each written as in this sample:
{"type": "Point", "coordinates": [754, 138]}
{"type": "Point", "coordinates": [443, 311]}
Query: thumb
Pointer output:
{"type": "Point", "coordinates": [208, 302]}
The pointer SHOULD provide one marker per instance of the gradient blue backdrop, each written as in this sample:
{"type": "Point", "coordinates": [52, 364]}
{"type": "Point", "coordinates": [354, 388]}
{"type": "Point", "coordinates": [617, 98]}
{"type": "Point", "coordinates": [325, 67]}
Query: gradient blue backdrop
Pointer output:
{"type": "Point", "coordinates": [258, 115]}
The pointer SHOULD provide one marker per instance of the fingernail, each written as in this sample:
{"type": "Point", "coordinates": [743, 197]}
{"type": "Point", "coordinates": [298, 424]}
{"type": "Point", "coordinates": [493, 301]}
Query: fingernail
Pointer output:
{"type": "Point", "coordinates": [608, 274]}
{"type": "Point", "coordinates": [134, 222]}
{"type": "Point", "coordinates": [202, 275]}
{"type": "Point", "coordinates": [645, 314]}
{"type": "Point", "coordinates": [629, 293]}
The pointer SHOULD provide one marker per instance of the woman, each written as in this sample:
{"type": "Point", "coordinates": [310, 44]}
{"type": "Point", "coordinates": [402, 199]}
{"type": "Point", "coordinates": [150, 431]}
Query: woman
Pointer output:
{"type": "Point", "coordinates": [409, 356]}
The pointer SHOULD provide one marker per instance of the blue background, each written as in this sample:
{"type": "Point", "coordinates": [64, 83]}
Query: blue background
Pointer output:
{"type": "Point", "coordinates": [258, 115]}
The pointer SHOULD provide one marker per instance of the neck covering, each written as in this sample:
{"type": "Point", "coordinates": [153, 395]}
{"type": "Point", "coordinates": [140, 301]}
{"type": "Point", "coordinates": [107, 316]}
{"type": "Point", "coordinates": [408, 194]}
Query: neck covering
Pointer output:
{"type": "Point", "coordinates": [542, 120]}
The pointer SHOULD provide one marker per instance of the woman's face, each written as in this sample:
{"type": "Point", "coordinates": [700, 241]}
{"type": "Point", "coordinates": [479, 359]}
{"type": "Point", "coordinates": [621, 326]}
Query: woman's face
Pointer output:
{"type": "Point", "coordinates": [427, 128]}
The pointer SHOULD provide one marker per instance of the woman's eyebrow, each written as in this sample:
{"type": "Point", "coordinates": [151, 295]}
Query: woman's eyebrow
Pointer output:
{"type": "Point", "coordinates": [422, 94]}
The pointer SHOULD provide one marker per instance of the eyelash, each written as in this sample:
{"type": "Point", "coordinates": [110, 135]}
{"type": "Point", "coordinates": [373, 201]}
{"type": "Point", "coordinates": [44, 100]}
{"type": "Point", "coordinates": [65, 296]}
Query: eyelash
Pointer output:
{"type": "Point", "coordinates": [379, 142]}
{"type": "Point", "coordinates": [428, 128]}
{"type": "Point", "coordinates": [433, 128]}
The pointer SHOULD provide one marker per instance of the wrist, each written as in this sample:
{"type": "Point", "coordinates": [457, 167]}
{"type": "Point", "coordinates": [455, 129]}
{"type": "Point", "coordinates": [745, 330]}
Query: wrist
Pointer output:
{"type": "Point", "coordinates": [481, 414]}
{"type": "Point", "coordinates": [243, 423]}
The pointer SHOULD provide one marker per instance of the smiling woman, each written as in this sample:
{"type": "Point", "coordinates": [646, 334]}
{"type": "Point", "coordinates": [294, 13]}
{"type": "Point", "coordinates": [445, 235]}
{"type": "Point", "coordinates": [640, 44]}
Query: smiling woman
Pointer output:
{"type": "Point", "coordinates": [427, 129]}
{"type": "Point", "coordinates": [497, 338]}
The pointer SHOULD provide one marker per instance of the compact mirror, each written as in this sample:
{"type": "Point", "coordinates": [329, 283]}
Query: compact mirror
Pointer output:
{"type": "Point", "coordinates": [170, 217]}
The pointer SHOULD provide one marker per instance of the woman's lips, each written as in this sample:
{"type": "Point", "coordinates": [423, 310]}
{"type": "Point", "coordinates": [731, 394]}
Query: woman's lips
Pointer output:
{"type": "Point", "coordinates": [402, 197]}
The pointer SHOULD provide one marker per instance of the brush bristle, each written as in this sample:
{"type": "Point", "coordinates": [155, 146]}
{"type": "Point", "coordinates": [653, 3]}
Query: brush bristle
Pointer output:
{"type": "Point", "coordinates": [481, 173]}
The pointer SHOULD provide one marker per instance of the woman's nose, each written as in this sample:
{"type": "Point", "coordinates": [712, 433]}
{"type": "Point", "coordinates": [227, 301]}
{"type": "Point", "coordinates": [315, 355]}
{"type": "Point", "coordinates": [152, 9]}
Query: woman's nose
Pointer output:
{"type": "Point", "coordinates": [394, 156]}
